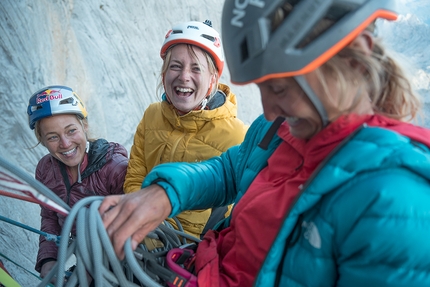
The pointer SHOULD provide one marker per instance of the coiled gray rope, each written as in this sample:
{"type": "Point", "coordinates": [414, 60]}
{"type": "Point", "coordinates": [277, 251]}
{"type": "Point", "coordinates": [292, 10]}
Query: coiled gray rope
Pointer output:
{"type": "Point", "coordinates": [91, 246]}
{"type": "Point", "coordinates": [94, 252]}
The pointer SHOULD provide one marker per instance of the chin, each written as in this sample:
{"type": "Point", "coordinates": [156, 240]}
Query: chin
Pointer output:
{"type": "Point", "coordinates": [301, 135]}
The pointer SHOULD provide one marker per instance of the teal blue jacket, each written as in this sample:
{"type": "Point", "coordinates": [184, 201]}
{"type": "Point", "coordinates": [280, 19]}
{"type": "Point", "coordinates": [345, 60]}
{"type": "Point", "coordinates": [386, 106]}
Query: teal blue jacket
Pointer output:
{"type": "Point", "coordinates": [362, 219]}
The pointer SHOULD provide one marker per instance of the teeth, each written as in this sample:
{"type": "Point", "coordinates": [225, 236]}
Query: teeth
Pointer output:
{"type": "Point", "coordinates": [184, 90]}
{"type": "Point", "coordinates": [291, 119]}
{"type": "Point", "coordinates": [69, 152]}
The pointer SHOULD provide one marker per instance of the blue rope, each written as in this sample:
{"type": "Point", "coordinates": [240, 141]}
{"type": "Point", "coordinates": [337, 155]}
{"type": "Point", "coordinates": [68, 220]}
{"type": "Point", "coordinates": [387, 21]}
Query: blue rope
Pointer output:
{"type": "Point", "coordinates": [49, 237]}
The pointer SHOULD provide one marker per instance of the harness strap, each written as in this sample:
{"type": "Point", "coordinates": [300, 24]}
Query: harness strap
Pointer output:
{"type": "Point", "coordinates": [66, 179]}
{"type": "Point", "coordinates": [264, 144]}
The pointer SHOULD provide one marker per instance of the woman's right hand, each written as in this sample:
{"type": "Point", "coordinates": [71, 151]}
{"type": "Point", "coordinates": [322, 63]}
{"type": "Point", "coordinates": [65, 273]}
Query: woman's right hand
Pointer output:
{"type": "Point", "coordinates": [46, 268]}
{"type": "Point", "coordinates": [134, 215]}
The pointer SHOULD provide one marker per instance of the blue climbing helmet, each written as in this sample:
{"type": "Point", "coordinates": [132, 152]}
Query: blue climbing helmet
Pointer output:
{"type": "Point", "coordinates": [54, 100]}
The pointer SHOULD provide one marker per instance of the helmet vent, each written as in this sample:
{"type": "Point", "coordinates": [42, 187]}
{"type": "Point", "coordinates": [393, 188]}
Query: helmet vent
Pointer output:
{"type": "Point", "coordinates": [35, 108]}
{"type": "Point", "coordinates": [210, 38]}
{"type": "Point", "coordinates": [244, 52]}
{"type": "Point", "coordinates": [67, 101]}
{"type": "Point", "coordinates": [281, 13]}
{"type": "Point", "coordinates": [334, 14]}
{"type": "Point", "coordinates": [177, 32]}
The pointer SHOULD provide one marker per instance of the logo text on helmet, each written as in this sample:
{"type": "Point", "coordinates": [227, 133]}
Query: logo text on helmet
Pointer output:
{"type": "Point", "coordinates": [48, 95]}
{"type": "Point", "coordinates": [168, 34]}
{"type": "Point", "coordinates": [239, 10]}
{"type": "Point", "coordinates": [192, 27]}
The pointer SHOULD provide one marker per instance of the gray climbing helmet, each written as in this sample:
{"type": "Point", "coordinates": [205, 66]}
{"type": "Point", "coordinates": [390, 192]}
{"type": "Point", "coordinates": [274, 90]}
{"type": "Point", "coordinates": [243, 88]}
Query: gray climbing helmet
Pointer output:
{"type": "Point", "coordinates": [289, 38]}
{"type": "Point", "coordinates": [256, 49]}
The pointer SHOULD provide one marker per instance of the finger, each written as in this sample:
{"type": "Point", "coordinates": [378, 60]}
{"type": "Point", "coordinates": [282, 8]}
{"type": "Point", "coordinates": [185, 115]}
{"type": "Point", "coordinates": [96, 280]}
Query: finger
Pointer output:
{"type": "Point", "coordinates": [110, 215]}
{"type": "Point", "coordinates": [108, 202]}
{"type": "Point", "coordinates": [133, 228]}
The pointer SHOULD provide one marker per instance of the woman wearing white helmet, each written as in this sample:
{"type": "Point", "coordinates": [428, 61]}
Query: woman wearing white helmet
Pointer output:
{"type": "Point", "coordinates": [196, 118]}
{"type": "Point", "coordinates": [76, 166]}
{"type": "Point", "coordinates": [331, 186]}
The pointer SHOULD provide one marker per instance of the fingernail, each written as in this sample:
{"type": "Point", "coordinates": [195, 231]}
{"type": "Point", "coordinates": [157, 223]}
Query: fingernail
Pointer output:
{"type": "Point", "coordinates": [134, 244]}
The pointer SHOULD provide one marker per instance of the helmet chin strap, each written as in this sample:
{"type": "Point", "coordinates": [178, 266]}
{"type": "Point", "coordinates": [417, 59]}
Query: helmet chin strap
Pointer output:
{"type": "Point", "coordinates": [314, 99]}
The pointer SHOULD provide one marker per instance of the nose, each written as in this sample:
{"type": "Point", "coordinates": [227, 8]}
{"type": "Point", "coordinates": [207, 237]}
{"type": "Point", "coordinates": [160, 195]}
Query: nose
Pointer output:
{"type": "Point", "coordinates": [65, 142]}
{"type": "Point", "coordinates": [184, 75]}
{"type": "Point", "coordinates": [270, 107]}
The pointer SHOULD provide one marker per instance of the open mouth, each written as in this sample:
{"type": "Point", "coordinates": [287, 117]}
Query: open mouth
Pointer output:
{"type": "Point", "coordinates": [185, 92]}
{"type": "Point", "coordinates": [292, 120]}
{"type": "Point", "coordinates": [70, 152]}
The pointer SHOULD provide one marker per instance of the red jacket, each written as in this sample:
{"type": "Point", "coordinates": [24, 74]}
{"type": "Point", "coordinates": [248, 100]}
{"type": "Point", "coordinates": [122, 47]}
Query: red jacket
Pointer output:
{"type": "Point", "coordinates": [102, 173]}
{"type": "Point", "coordinates": [234, 256]}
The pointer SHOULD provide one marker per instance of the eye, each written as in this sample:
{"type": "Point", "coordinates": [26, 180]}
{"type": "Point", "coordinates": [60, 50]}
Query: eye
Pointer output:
{"type": "Point", "coordinates": [175, 67]}
{"type": "Point", "coordinates": [52, 138]}
{"type": "Point", "coordinates": [278, 90]}
{"type": "Point", "coordinates": [71, 131]}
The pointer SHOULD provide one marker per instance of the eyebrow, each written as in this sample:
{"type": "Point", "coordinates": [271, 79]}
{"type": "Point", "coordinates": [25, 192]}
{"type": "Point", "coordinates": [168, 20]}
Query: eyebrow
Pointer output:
{"type": "Point", "coordinates": [180, 62]}
{"type": "Point", "coordinates": [66, 127]}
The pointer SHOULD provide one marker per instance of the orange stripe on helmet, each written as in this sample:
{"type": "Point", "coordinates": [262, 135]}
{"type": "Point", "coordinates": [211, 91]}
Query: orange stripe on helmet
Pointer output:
{"type": "Point", "coordinates": [327, 55]}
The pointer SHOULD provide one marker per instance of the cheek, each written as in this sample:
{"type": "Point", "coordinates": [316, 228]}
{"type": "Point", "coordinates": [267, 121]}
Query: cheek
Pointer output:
{"type": "Point", "coordinates": [50, 146]}
{"type": "Point", "coordinates": [168, 78]}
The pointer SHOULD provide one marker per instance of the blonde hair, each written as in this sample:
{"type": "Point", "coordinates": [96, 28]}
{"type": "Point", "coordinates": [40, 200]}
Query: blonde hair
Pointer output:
{"type": "Point", "coordinates": [383, 79]}
{"type": "Point", "coordinates": [211, 65]}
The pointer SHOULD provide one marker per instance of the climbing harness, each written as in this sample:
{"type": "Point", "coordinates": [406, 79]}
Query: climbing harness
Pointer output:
{"type": "Point", "coordinates": [167, 263]}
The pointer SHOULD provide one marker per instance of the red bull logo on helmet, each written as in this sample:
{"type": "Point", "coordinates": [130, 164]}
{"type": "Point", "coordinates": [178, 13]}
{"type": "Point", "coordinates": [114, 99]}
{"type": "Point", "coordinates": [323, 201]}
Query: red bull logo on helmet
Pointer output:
{"type": "Point", "coordinates": [48, 95]}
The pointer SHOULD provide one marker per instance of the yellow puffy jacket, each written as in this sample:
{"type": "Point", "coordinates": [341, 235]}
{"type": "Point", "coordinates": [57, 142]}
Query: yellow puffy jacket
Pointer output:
{"type": "Point", "coordinates": [163, 136]}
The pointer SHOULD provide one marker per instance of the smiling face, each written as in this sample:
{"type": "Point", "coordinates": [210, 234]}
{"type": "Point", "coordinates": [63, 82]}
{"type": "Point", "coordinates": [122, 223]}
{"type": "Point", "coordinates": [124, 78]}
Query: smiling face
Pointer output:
{"type": "Point", "coordinates": [188, 79]}
{"type": "Point", "coordinates": [338, 84]}
{"type": "Point", "coordinates": [64, 137]}
{"type": "Point", "coordinates": [283, 97]}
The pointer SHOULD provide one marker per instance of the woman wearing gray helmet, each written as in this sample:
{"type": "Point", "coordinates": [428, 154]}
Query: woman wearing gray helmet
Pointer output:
{"type": "Point", "coordinates": [76, 166]}
{"type": "Point", "coordinates": [331, 186]}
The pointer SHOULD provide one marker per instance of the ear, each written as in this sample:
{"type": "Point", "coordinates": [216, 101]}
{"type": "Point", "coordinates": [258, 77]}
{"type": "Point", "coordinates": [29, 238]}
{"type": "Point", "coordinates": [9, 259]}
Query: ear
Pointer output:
{"type": "Point", "coordinates": [363, 42]}
{"type": "Point", "coordinates": [214, 79]}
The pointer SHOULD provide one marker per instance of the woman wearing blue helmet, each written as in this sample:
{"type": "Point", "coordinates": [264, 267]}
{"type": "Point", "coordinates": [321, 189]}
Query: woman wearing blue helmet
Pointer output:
{"type": "Point", "coordinates": [331, 185]}
{"type": "Point", "coordinates": [76, 166]}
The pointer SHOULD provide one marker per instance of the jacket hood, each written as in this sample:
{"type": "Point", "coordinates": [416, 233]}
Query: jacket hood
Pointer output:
{"type": "Point", "coordinates": [100, 152]}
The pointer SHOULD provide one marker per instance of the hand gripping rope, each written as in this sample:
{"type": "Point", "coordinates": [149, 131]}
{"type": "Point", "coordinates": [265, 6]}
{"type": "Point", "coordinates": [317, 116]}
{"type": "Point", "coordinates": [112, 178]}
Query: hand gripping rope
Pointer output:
{"type": "Point", "coordinates": [169, 265]}
{"type": "Point", "coordinates": [95, 255]}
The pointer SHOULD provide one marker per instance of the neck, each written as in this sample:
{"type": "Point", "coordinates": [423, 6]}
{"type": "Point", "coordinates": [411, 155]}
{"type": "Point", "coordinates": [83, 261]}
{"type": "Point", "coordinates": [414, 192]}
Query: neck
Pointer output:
{"type": "Point", "coordinates": [74, 170]}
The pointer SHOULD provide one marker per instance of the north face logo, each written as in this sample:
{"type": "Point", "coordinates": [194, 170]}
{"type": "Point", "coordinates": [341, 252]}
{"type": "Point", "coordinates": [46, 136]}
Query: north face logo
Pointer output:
{"type": "Point", "coordinates": [311, 234]}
